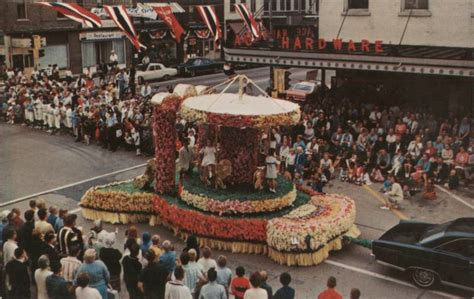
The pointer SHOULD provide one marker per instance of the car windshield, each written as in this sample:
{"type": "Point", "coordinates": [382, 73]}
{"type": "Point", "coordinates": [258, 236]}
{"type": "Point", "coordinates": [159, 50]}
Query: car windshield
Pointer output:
{"type": "Point", "coordinates": [303, 87]}
{"type": "Point", "coordinates": [434, 232]}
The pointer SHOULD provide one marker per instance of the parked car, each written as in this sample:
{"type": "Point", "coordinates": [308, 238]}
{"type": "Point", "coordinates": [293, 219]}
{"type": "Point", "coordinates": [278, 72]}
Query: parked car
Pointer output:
{"type": "Point", "coordinates": [430, 253]}
{"type": "Point", "coordinates": [303, 91]}
{"type": "Point", "coordinates": [195, 66]}
{"type": "Point", "coordinates": [154, 71]}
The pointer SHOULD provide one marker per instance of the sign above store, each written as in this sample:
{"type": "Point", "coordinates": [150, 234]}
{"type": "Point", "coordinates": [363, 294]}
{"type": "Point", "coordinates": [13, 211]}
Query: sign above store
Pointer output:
{"type": "Point", "coordinates": [101, 35]}
{"type": "Point", "coordinates": [304, 38]}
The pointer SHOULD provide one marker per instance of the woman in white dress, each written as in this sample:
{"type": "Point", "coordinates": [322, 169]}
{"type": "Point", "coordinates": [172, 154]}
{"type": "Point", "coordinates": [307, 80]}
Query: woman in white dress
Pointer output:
{"type": "Point", "coordinates": [208, 162]}
{"type": "Point", "coordinates": [40, 276]}
{"type": "Point", "coordinates": [271, 163]}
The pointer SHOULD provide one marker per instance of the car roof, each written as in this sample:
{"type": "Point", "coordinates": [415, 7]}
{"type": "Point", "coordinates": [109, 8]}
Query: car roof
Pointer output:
{"type": "Point", "coordinates": [462, 225]}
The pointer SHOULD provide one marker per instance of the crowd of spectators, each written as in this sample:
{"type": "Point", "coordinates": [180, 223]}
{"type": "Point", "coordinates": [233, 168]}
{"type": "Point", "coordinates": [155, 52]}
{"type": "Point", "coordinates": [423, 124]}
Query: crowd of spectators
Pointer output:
{"type": "Point", "coordinates": [46, 254]}
{"type": "Point", "coordinates": [108, 110]}
{"type": "Point", "coordinates": [354, 141]}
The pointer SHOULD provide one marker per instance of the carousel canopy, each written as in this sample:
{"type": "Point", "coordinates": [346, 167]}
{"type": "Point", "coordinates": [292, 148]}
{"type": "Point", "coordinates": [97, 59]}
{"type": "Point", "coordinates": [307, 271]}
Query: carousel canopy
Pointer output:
{"type": "Point", "coordinates": [240, 110]}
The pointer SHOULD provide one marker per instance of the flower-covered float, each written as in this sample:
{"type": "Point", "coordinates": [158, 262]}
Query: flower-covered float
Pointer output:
{"type": "Point", "coordinates": [228, 210]}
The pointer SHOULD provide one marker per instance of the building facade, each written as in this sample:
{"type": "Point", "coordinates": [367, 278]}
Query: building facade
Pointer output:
{"type": "Point", "coordinates": [421, 52]}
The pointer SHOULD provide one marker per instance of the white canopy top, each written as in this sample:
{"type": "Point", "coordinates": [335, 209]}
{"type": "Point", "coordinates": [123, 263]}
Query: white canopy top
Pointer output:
{"type": "Point", "coordinates": [229, 103]}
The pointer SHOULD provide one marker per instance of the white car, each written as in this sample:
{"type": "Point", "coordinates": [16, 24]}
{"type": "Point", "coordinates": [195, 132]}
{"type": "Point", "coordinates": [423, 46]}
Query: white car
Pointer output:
{"type": "Point", "coordinates": [154, 71]}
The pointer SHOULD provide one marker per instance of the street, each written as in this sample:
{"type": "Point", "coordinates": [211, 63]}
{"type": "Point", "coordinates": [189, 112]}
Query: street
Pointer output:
{"type": "Point", "coordinates": [34, 164]}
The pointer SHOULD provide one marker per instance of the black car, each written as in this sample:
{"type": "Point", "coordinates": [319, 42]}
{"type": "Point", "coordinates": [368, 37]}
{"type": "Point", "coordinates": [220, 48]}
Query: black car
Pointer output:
{"type": "Point", "coordinates": [430, 253]}
{"type": "Point", "coordinates": [195, 66]}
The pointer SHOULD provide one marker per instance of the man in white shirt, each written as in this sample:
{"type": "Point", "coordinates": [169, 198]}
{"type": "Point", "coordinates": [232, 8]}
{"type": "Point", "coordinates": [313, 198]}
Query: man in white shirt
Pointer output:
{"type": "Point", "coordinates": [175, 289]}
{"type": "Point", "coordinates": [9, 246]}
{"type": "Point", "coordinates": [206, 261]}
{"type": "Point", "coordinates": [146, 90]}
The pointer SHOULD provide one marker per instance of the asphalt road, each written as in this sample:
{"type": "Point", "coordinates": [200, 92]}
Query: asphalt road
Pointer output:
{"type": "Point", "coordinates": [34, 164]}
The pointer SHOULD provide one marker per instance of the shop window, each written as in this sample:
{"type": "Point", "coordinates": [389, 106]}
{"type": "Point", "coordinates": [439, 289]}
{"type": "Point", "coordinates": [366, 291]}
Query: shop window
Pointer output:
{"type": "Point", "coordinates": [356, 8]}
{"type": "Point", "coordinates": [21, 12]}
{"type": "Point", "coordinates": [55, 54]}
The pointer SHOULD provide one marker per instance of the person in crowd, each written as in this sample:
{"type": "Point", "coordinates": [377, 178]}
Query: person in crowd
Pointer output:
{"type": "Point", "coordinates": [224, 274]}
{"type": "Point", "coordinates": [60, 220]}
{"type": "Point", "coordinates": [53, 215]}
{"type": "Point", "coordinates": [206, 262]}
{"type": "Point", "coordinates": [145, 242]}
{"type": "Point", "coordinates": [394, 196]}
{"type": "Point", "coordinates": [265, 285]}
{"type": "Point", "coordinates": [212, 290]}
{"type": "Point", "coordinates": [17, 276]}
{"type": "Point", "coordinates": [192, 243]}
{"type": "Point", "coordinates": [56, 286]}
{"type": "Point", "coordinates": [355, 293]}
{"type": "Point", "coordinates": [49, 248]}
{"type": "Point", "coordinates": [131, 272]}
{"type": "Point", "coordinates": [155, 246]}
{"type": "Point", "coordinates": [168, 257]}
{"type": "Point", "coordinates": [69, 235]}
{"type": "Point", "coordinates": [97, 271]}
{"type": "Point", "coordinates": [240, 284]}
{"type": "Point", "coordinates": [255, 291]}
{"type": "Point", "coordinates": [26, 231]}
{"type": "Point", "coordinates": [42, 224]}
{"type": "Point", "coordinates": [9, 246]}
{"type": "Point", "coordinates": [153, 278]}
{"type": "Point", "coordinates": [40, 276]}
{"type": "Point", "coordinates": [111, 258]}
{"type": "Point", "coordinates": [83, 291]}
{"type": "Point", "coordinates": [285, 292]}
{"type": "Point", "coordinates": [176, 289]}
{"type": "Point", "coordinates": [70, 264]}
{"type": "Point", "coordinates": [193, 271]}
{"type": "Point", "coordinates": [330, 292]}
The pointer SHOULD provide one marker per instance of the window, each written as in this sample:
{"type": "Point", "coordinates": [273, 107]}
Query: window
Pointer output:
{"type": "Point", "coordinates": [358, 4]}
{"type": "Point", "coordinates": [274, 5]}
{"type": "Point", "coordinates": [21, 10]}
{"type": "Point", "coordinates": [416, 4]}
{"type": "Point", "coordinates": [356, 8]}
{"type": "Point", "coordinates": [265, 5]}
{"type": "Point", "coordinates": [303, 5]}
{"type": "Point", "coordinates": [232, 6]}
{"type": "Point", "coordinates": [282, 5]}
{"type": "Point", "coordinates": [253, 5]}
{"type": "Point", "coordinates": [415, 8]}
{"type": "Point", "coordinates": [288, 5]}
{"type": "Point", "coordinates": [464, 247]}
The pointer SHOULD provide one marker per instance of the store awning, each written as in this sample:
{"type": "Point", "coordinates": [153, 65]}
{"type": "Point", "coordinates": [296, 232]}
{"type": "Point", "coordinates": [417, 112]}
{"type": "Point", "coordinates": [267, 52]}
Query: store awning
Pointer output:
{"type": "Point", "coordinates": [441, 65]}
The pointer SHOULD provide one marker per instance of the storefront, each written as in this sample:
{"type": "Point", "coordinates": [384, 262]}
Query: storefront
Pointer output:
{"type": "Point", "coordinates": [200, 43]}
{"type": "Point", "coordinates": [439, 78]}
{"type": "Point", "coordinates": [96, 47]}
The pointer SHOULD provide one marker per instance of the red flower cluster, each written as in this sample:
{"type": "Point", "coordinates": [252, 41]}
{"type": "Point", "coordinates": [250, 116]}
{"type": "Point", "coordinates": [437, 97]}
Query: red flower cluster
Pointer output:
{"type": "Point", "coordinates": [194, 222]}
{"type": "Point", "coordinates": [164, 134]}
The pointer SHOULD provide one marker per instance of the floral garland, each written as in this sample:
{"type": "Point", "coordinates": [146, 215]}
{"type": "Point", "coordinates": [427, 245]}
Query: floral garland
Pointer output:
{"type": "Point", "coordinates": [239, 121]}
{"type": "Point", "coordinates": [194, 222]}
{"type": "Point", "coordinates": [105, 198]}
{"type": "Point", "coordinates": [208, 204]}
{"type": "Point", "coordinates": [313, 225]}
{"type": "Point", "coordinates": [164, 134]}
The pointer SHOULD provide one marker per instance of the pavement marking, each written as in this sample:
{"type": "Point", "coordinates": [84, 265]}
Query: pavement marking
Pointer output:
{"type": "Point", "coordinates": [383, 277]}
{"type": "Point", "coordinates": [380, 198]}
{"type": "Point", "coordinates": [70, 185]}
{"type": "Point", "coordinates": [456, 197]}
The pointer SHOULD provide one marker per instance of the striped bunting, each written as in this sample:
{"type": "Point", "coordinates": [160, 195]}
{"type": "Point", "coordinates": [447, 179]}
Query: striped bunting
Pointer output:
{"type": "Point", "coordinates": [209, 16]}
{"type": "Point", "coordinates": [121, 18]}
{"type": "Point", "coordinates": [248, 19]}
{"type": "Point", "coordinates": [75, 13]}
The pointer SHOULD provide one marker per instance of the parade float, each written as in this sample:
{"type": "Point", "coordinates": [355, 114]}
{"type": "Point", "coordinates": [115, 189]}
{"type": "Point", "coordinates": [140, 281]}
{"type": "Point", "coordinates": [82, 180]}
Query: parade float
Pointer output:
{"type": "Point", "coordinates": [231, 210]}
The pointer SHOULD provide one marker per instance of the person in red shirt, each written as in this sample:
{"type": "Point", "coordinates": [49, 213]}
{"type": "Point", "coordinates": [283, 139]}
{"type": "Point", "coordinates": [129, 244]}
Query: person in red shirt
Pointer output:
{"type": "Point", "coordinates": [330, 292]}
{"type": "Point", "coordinates": [239, 284]}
